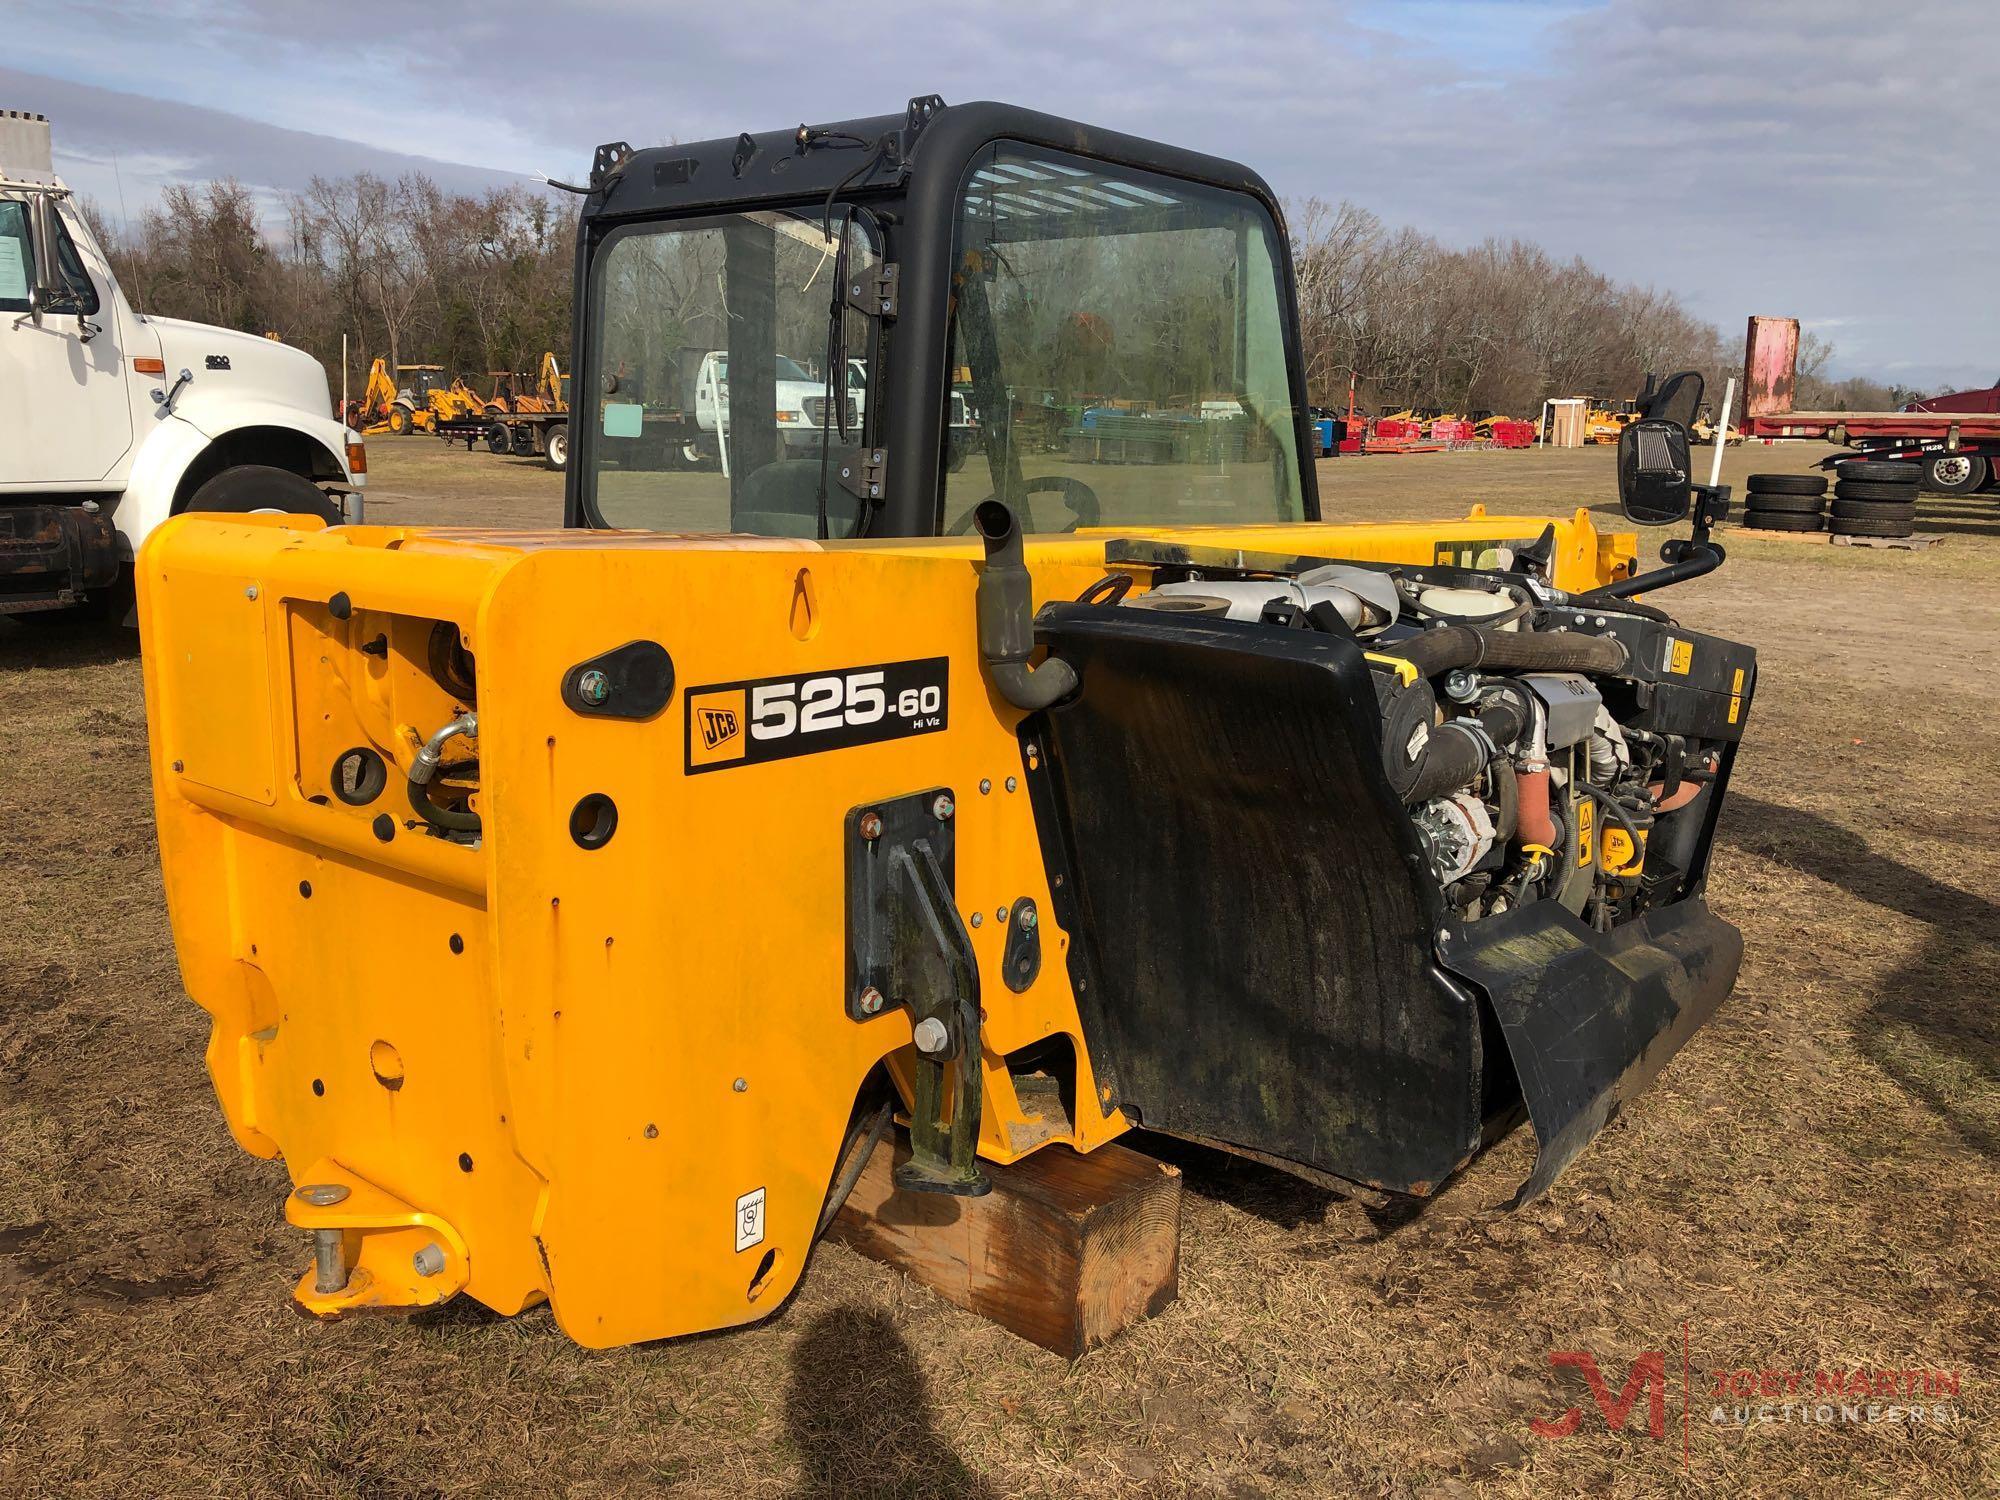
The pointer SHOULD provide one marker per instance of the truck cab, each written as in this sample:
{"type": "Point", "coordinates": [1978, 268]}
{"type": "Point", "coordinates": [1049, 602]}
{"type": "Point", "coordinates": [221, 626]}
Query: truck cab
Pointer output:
{"type": "Point", "coordinates": [114, 420]}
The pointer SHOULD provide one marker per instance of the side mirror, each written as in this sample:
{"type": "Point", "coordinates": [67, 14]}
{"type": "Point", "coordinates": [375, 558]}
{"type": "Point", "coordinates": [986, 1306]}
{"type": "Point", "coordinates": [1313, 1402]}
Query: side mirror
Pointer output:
{"type": "Point", "coordinates": [50, 293]}
{"type": "Point", "coordinates": [1654, 481]}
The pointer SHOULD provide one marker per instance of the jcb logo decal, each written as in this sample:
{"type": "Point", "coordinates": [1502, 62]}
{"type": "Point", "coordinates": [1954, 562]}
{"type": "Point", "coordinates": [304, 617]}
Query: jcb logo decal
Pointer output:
{"type": "Point", "coordinates": [715, 726]}
{"type": "Point", "coordinates": [775, 718]}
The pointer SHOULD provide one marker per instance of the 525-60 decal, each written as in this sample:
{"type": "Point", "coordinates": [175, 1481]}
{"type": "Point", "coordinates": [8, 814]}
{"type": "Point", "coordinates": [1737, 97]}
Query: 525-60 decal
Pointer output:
{"type": "Point", "coordinates": [774, 718]}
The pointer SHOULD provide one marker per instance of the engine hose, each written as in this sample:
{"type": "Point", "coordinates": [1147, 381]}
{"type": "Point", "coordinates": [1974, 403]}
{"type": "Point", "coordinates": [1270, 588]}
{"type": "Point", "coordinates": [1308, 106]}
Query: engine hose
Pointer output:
{"type": "Point", "coordinates": [1004, 601]}
{"type": "Point", "coordinates": [1537, 820]}
{"type": "Point", "coordinates": [424, 769]}
{"type": "Point", "coordinates": [1453, 646]}
{"type": "Point", "coordinates": [1449, 756]}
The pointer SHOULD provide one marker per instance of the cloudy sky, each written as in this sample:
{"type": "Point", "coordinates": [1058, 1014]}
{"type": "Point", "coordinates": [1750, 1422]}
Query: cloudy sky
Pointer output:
{"type": "Point", "coordinates": [1818, 158]}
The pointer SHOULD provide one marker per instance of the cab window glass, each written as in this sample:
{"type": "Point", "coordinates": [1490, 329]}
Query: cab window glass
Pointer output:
{"type": "Point", "coordinates": [17, 261]}
{"type": "Point", "coordinates": [1118, 349]}
{"type": "Point", "coordinates": [709, 377]}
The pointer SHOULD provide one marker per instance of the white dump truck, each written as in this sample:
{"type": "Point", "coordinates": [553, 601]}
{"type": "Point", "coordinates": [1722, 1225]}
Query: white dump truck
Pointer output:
{"type": "Point", "coordinates": [111, 421]}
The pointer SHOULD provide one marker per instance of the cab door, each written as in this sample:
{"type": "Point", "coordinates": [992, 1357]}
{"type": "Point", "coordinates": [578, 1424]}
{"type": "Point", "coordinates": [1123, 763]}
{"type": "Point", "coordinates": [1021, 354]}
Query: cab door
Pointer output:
{"type": "Point", "coordinates": [65, 418]}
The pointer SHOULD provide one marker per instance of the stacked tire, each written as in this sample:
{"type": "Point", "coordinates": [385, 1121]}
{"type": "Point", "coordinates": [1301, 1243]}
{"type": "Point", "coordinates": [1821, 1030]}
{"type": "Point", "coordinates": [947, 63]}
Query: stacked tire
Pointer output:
{"type": "Point", "coordinates": [1784, 502]}
{"type": "Point", "coordinates": [1874, 497]}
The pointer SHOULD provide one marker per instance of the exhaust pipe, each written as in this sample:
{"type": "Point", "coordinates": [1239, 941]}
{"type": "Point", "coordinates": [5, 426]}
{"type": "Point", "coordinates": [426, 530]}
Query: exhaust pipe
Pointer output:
{"type": "Point", "coordinates": [1005, 601]}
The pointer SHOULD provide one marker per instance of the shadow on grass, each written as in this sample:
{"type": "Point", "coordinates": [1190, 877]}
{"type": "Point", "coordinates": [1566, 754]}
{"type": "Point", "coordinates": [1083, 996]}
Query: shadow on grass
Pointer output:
{"type": "Point", "coordinates": [1937, 1003]}
{"type": "Point", "coordinates": [859, 1415]}
{"type": "Point", "coordinates": [62, 643]}
{"type": "Point", "coordinates": [1271, 1193]}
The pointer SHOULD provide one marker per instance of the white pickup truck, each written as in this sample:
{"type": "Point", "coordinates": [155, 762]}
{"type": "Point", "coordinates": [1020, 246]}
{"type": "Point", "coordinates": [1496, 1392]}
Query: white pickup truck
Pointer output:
{"type": "Point", "coordinates": [111, 421]}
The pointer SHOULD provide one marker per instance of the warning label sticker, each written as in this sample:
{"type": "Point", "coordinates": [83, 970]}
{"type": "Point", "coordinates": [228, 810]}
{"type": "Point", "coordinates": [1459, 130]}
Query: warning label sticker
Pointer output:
{"type": "Point", "coordinates": [750, 1219]}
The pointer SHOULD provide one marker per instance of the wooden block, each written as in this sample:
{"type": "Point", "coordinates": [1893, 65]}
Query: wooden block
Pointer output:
{"type": "Point", "coordinates": [1067, 1251]}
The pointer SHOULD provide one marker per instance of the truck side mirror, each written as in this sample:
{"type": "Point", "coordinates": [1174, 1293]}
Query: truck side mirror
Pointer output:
{"type": "Point", "coordinates": [1654, 481]}
{"type": "Point", "coordinates": [50, 293]}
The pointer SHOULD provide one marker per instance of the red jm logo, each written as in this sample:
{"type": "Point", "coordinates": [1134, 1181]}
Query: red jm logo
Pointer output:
{"type": "Point", "coordinates": [1648, 1374]}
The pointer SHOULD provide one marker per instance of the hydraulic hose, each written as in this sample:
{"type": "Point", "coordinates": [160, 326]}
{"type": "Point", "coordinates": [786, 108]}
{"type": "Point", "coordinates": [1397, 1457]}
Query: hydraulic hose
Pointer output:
{"type": "Point", "coordinates": [1005, 600]}
{"type": "Point", "coordinates": [1454, 646]}
{"type": "Point", "coordinates": [425, 768]}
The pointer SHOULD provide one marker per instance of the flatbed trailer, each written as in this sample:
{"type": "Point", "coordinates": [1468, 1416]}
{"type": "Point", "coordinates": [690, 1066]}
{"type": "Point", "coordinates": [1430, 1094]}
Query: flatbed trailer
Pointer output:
{"type": "Point", "coordinates": [1959, 450]}
{"type": "Point", "coordinates": [525, 434]}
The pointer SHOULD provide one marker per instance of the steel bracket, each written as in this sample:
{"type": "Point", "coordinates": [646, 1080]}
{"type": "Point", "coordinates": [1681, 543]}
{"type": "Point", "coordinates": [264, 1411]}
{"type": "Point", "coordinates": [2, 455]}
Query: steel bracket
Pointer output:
{"type": "Point", "coordinates": [876, 291]}
{"type": "Point", "coordinates": [908, 949]}
{"type": "Point", "coordinates": [862, 472]}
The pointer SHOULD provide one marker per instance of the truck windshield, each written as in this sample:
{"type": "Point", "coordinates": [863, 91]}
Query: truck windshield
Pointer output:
{"type": "Point", "coordinates": [706, 384]}
{"type": "Point", "coordinates": [1120, 332]}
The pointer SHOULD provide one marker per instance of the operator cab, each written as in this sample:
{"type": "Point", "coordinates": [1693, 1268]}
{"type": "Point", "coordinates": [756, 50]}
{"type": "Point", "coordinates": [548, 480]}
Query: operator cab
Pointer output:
{"type": "Point", "coordinates": [866, 329]}
{"type": "Point", "coordinates": [414, 383]}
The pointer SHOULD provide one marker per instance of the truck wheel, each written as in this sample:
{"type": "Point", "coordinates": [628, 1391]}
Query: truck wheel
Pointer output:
{"type": "Point", "coordinates": [1875, 510]}
{"type": "Point", "coordinates": [1954, 473]}
{"type": "Point", "coordinates": [557, 454]}
{"type": "Point", "coordinates": [1769, 500]}
{"type": "Point", "coordinates": [1787, 484]}
{"type": "Point", "coordinates": [1864, 489]}
{"type": "Point", "coordinates": [1878, 470]}
{"type": "Point", "coordinates": [498, 440]}
{"type": "Point", "coordinates": [399, 420]}
{"type": "Point", "coordinates": [260, 489]}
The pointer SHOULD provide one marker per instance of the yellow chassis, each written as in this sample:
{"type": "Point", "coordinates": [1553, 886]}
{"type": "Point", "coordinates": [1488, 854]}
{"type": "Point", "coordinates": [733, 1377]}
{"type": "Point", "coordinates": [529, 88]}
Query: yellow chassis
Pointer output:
{"type": "Point", "coordinates": [542, 1071]}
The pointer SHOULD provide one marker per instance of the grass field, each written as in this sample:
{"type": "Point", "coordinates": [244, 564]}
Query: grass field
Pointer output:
{"type": "Point", "coordinates": [1811, 1185]}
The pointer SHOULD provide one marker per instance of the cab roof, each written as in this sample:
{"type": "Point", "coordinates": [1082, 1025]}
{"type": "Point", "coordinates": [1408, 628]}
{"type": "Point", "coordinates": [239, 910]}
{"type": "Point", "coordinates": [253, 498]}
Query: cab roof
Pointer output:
{"type": "Point", "coordinates": [871, 153]}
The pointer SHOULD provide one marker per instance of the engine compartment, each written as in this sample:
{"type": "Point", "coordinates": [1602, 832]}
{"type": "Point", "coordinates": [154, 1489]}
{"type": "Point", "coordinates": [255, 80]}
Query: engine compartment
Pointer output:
{"type": "Point", "coordinates": [1546, 747]}
{"type": "Point", "coordinates": [1365, 861]}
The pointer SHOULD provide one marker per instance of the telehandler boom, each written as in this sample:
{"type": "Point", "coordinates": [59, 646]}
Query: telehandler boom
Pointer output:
{"type": "Point", "coordinates": [569, 903]}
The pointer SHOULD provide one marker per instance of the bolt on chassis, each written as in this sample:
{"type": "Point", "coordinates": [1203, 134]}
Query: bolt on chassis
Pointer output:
{"type": "Point", "coordinates": [1028, 750]}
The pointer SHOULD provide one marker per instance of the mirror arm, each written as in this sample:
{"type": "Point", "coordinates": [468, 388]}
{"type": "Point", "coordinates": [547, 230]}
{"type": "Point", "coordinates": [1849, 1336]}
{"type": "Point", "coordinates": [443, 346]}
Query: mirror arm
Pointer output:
{"type": "Point", "coordinates": [1693, 560]}
{"type": "Point", "coordinates": [1684, 560]}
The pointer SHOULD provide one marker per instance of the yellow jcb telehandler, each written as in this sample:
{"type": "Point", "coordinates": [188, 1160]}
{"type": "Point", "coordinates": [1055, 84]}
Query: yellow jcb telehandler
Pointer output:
{"type": "Point", "coordinates": [574, 907]}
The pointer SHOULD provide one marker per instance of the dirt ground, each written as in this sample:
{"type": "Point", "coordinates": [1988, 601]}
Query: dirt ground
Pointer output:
{"type": "Point", "coordinates": [1812, 1185]}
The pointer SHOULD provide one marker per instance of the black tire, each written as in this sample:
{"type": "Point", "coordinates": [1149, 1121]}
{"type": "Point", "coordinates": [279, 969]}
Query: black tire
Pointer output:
{"type": "Point", "coordinates": [1769, 500]}
{"type": "Point", "coordinates": [247, 488]}
{"type": "Point", "coordinates": [1954, 473]}
{"type": "Point", "coordinates": [1780, 520]}
{"type": "Point", "coordinates": [498, 439]}
{"type": "Point", "coordinates": [1787, 484]}
{"type": "Point", "coordinates": [555, 452]}
{"type": "Point", "coordinates": [1878, 470]}
{"type": "Point", "coordinates": [400, 421]}
{"type": "Point", "coordinates": [1858, 489]}
{"type": "Point", "coordinates": [1874, 510]}
{"type": "Point", "coordinates": [1872, 528]}
{"type": "Point", "coordinates": [522, 439]}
